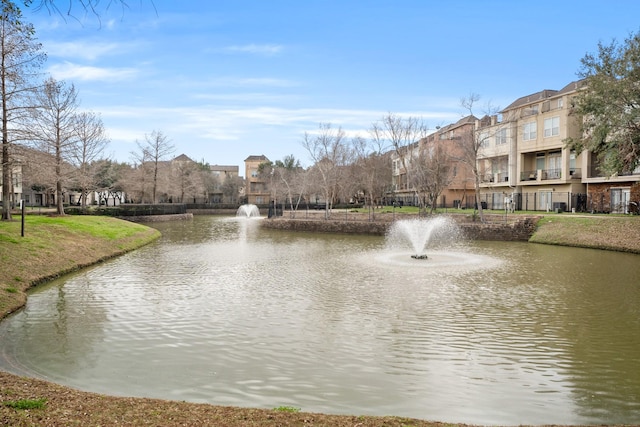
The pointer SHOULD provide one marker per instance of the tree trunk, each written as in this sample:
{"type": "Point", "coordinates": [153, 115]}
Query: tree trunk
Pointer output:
{"type": "Point", "coordinates": [478, 202]}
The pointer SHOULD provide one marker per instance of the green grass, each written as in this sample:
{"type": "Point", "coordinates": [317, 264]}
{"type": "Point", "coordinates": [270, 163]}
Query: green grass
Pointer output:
{"type": "Point", "coordinates": [286, 409]}
{"type": "Point", "coordinates": [91, 225]}
{"type": "Point", "coordinates": [24, 404]}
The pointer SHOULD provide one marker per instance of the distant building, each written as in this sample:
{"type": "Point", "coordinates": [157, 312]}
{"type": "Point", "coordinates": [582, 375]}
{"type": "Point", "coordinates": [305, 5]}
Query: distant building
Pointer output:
{"type": "Point", "coordinates": [257, 190]}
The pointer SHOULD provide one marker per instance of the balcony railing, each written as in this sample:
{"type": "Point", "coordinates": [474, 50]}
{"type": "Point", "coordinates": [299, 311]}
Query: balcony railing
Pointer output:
{"type": "Point", "coordinates": [545, 174]}
{"type": "Point", "coordinates": [486, 177]}
{"type": "Point", "coordinates": [551, 174]}
{"type": "Point", "coordinates": [494, 177]}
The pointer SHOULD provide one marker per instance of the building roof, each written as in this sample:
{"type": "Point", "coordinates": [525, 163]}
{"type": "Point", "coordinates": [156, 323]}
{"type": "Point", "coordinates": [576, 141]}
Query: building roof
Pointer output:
{"type": "Point", "coordinates": [531, 99]}
{"type": "Point", "coordinates": [255, 158]}
{"type": "Point", "coordinates": [182, 158]}
{"type": "Point", "coordinates": [573, 86]}
{"type": "Point", "coordinates": [545, 94]}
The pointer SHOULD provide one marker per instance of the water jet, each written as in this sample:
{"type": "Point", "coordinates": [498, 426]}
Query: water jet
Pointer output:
{"type": "Point", "coordinates": [248, 211]}
{"type": "Point", "coordinates": [419, 233]}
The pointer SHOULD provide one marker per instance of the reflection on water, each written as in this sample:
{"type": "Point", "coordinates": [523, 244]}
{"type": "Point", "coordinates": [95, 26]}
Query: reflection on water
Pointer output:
{"type": "Point", "coordinates": [222, 311]}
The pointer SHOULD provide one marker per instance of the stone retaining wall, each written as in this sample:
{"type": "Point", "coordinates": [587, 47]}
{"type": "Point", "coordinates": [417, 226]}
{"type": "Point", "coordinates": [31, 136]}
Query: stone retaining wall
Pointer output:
{"type": "Point", "coordinates": [326, 226]}
{"type": "Point", "coordinates": [158, 218]}
{"type": "Point", "coordinates": [212, 211]}
{"type": "Point", "coordinates": [519, 230]}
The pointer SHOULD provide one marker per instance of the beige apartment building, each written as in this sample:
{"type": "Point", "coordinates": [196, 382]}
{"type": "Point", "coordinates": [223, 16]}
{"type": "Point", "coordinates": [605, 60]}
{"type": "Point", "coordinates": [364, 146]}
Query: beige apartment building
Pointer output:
{"type": "Point", "coordinates": [524, 162]}
{"type": "Point", "coordinates": [257, 189]}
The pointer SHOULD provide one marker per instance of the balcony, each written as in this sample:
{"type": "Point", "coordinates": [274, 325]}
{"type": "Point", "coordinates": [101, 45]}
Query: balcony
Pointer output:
{"type": "Point", "coordinates": [541, 174]}
{"type": "Point", "coordinates": [596, 172]}
{"type": "Point", "coordinates": [488, 178]}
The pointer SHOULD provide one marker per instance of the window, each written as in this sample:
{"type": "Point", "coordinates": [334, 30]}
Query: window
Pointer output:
{"type": "Point", "coordinates": [396, 167]}
{"type": "Point", "coordinates": [540, 161]}
{"type": "Point", "coordinates": [545, 199]}
{"type": "Point", "coordinates": [554, 165]}
{"type": "Point", "coordinates": [254, 173]}
{"type": "Point", "coordinates": [529, 131]}
{"type": "Point", "coordinates": [560, 103]}
{"type": "Point", "coordinates": [501, 137]}
{"type": "Point", "coordinates": [552, 127]}
{"type": "Point", "coordinates": [484, 139]}
{"type": "Point", "coordinates": [620, 200]}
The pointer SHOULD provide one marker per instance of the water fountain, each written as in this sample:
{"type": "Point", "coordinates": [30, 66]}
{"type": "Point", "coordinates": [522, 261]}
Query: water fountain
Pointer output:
{"type": "Point", "coordinates": [248, 211]}
{"type": "Point", "coordinates": [420, 233]}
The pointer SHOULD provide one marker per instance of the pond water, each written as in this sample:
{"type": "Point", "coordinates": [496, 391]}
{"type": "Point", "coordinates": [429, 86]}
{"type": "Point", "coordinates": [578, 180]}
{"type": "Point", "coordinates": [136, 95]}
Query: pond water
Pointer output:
{"type": "Point", "coordinates": [222, 311]}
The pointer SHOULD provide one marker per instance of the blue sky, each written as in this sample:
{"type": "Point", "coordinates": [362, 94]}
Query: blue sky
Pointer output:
{"type": "Point", "coordinates": [227, 79]}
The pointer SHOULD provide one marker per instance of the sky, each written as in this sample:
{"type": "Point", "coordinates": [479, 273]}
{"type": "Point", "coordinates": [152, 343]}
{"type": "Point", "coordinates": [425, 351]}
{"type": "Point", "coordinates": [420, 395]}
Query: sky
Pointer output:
{"type": "Point", "coordinates": [227, 79]}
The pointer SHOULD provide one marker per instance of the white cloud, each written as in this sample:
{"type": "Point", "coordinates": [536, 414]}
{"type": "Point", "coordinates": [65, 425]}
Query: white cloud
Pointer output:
{"type": "Point", "coordinates": [256, 49]}
{"type": "Point", "coordinates": [71, 71]}
{"type": "Point", "coordinates": [84, 50]}
{"type": "Point", "coordinates": [252, 82]}
{"type": "Point", "coordinates": [224, 134]}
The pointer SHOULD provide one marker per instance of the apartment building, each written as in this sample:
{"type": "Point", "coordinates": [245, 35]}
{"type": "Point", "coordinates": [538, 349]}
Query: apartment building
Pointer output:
{"type": "Point", "coordinates": [460, 191]}
{"type": "Point", "coordinates": [524, 161]}
{"type": "Point", "coordinates": [257, 189]}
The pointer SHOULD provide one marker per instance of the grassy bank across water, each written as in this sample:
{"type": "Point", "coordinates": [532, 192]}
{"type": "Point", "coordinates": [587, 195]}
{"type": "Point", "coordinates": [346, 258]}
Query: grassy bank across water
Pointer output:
{"type": "Point", "coordinates": [56, 245]}
{"type": "Point", "coordinates": [617, 233]}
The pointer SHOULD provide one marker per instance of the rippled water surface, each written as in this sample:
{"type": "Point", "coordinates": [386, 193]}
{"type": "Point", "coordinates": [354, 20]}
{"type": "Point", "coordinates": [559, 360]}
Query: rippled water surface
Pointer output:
{"type": "Point", "coordinates": [222, 311]}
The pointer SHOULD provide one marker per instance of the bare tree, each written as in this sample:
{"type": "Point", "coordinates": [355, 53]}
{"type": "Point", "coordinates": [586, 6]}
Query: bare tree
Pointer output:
{"type": "Point", "coordinates": [402, 134]}
{"type": "Point", "coordinates": [137, 178]}
{"type": "Point", "coordinates": [53, 129]}
{"type": "Point", "coordinates": [290, 175]}
{"type": "Point", "coordinates": [373, 166]}
{"type": "Point", "coordinates": [93, 7]}
{"type": "Point", "coordinates": [472, 143]}
{"type": "Point", "coordinates": [231, 188]}
{"type": "Point", "coordinates": [155, 148]}
{"type": "Point", "coordinates": [91, 141]}
{"type": "Point", "coordinates": [431, 171]}
{"type": "Point", "coordinates": [186, 179]}
{"type": "Point", "coordinates": [20, 59]}
{"type": "Point", "coordinates": [329, 151]}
